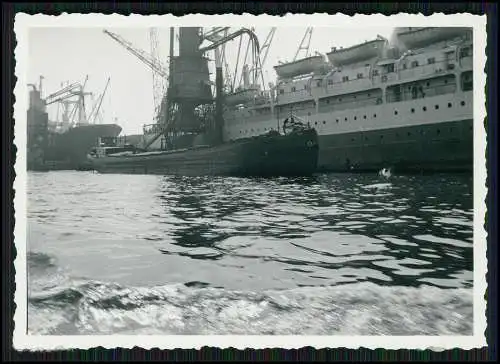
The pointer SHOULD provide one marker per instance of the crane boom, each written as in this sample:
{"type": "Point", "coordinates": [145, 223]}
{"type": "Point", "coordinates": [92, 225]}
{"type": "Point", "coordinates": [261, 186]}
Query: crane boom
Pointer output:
{"type": "Point", "coordinates": [267, 45]}
{"type": "Point", "coordinates": [264, 51]}
{"type": "Point", "coordinates": [100, 101]}
{"type": "Point", "coordinates": [158, 80]}
{"type": "Point", "coordinates": [146, 58]}
{"type": "Point", "coordinates": [306, 42]}
{"type": "Point", "coordinates": [65, 90]}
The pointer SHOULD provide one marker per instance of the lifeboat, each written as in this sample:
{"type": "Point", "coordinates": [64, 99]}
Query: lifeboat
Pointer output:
{"type": "Point", "coordinates": [300, 67]}
{"type": "Point", "coordinates": [242, 96]}
{"type": "Point", "coordinates": [357, 53]}
{"type": "Point", "coordinates": [419, 37]}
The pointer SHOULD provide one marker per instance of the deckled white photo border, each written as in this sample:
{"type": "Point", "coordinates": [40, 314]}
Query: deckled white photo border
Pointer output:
{"type": "Point", "coordinates": [23, 341]}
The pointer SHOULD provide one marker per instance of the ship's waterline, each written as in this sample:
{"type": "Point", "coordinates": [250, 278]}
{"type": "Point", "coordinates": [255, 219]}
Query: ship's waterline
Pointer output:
{"type": "Point", "coordinates": [446, 147]}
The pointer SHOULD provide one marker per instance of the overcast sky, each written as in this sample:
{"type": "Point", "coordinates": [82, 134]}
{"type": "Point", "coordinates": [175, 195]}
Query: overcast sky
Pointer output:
{"type": "Point", "coordinates": [69, 54]}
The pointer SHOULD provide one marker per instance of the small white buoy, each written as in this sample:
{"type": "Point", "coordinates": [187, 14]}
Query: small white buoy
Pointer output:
{"type": "Point", "coordinates": [385, 172]}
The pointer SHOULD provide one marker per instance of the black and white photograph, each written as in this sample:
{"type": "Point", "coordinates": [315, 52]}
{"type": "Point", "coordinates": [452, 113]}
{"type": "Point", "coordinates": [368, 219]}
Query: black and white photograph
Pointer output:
{"type": "Point", "coordinates": [258, 181]}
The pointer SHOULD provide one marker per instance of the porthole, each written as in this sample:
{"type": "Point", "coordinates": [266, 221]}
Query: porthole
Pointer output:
{"type": "Point", "coordinates": [366, 138]}
{"type": "Point", "coordinates": [352, 139]}
{"type": "Point", "coordinates": [395, 112]}
{"type": "Point", "coordinates": [324, 122]}
{"type": "Point", "coordinates": [428, 84]}
{"type": "Point", "coordinates": [374, 115]}
{"type": "Point", "coordinates": [449, 104]}
{"type": "Point", "coordinates": [315, 123]}
{"type": "Point", "coordinates": [408, 133]}
{"type": "Point", "coordinates": [364, 116]}
{"type": "Point", "coordinates": [369, 95]}
{"type": "Point", "coordinates": [337, 120]}
{"type": "Point", "coordinates": [438, 131]}
{"type": "Point", "coordinates": [345, 119]}
{"type": "Point", "coordinates": [355, 118]}
{"type": "Point", "coordinates": [436, 107]}
{"type": "Point", "coordinates": [424, 108]}
{"type": "Point", "coordinates": [327, 101]}
{"type": "Point", "coordinates": [381, 137]}
{"type": "Point", "coordinates": [412, 110]}
{"type": "Point", "coordinates": [462, 103]}
{"type": "Point", "coordinates": [445, 81]}
{"type": "Point", "coordinates": [340, 99]}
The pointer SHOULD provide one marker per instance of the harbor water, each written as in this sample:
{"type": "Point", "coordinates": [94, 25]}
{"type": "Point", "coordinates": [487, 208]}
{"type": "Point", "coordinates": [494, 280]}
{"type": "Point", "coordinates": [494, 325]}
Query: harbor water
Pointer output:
{"type": "Point", "coordinates": [335, 254]}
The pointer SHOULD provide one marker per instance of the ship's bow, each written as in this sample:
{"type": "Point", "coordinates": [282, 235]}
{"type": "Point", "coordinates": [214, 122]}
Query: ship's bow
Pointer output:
{"type": "Point", "coordinates": [291, 155]}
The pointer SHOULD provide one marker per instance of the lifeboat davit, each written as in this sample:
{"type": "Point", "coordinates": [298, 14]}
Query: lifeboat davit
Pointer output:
{"type": "Point", "coordinates": [419, 37]}
{"type": "Point", "coordinates": [357, 53]}
{"type": "Point", "coordinates": [300, 67]}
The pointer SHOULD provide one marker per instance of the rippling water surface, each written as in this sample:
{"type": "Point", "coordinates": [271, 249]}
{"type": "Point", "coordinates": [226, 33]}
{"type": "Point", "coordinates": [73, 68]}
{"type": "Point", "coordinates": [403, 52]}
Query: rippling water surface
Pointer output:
{"type": "Point", "coordinates": [329, 255]}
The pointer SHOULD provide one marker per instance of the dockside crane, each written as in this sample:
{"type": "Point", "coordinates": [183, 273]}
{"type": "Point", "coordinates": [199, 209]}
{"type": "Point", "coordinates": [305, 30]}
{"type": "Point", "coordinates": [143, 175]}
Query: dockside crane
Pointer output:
{"type": "Point", "coordinates": [160, 71]}
{"type": "Point", "coordinates": [146, 58]}
{"type": "Point", "coordinates": [66, 97]}
{"type": "Point", "coordinates": [214, 35]}
{"type": "Point", "coordinates": [159, 81]}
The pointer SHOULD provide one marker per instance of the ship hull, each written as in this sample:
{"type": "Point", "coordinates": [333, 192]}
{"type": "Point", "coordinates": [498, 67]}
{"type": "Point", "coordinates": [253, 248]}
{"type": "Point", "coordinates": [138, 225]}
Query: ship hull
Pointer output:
{"type": "Point", "coordinates": [264, 156]}
{"type": "Point", "coordinates": [69, 150]}
{"type": "Point", "coordinates": [441, 147]}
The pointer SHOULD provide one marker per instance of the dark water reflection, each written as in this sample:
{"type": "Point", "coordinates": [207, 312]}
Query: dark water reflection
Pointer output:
{"type": "Point", "coordinates": [408, 229]}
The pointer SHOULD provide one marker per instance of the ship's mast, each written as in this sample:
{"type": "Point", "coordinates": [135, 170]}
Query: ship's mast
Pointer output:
{"type": "Point", "coordinates": [82, 117]}
{"type": "Point", "coordinates": [98, 108]}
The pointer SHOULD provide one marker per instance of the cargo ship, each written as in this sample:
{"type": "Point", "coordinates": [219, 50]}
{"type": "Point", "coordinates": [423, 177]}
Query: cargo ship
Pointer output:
{"type": "Point", "coordinates": [190, 128]}
{"type": "Point", "coordinates": [404, 103]}
{"type": "Point", "coordinates": [54, 145]}
{"type": "Point", "coordinates": [270, 155]}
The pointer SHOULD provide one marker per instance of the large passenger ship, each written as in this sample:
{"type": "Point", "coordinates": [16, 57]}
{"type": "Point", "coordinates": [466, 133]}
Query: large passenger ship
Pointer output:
{"type": "Point", "coordinates": [406, 103]}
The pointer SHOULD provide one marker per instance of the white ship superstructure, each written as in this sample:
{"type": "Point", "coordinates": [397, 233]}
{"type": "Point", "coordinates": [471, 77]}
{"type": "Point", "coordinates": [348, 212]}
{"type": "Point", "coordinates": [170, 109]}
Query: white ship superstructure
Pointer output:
{"type": "Point", "coordinates": [407, 103]}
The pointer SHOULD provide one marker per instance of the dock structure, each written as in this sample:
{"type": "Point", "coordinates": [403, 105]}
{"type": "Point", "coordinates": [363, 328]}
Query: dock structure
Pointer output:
{"type": "Point", "coordinates": [189, 85]}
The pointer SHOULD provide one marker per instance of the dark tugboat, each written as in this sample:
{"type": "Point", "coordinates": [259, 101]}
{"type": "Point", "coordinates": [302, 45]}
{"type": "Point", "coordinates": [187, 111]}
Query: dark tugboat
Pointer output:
{"type": "Point", "coordinates": [192, 133]}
